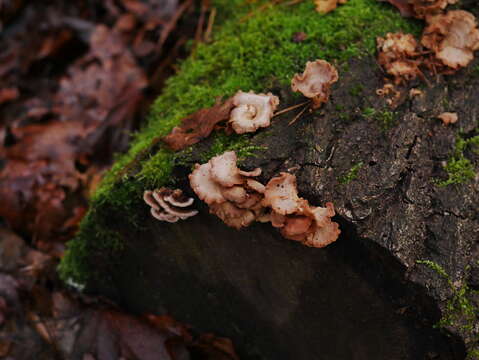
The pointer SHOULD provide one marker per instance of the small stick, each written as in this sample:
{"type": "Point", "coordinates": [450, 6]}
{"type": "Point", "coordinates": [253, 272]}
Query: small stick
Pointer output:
{"type": "Point", "coordinates": [298, 116]}
{"type": "Point", "coordinates": [209, 27]}
{"type": "Point", "coordinates": [290, 108]}
{"type": "Point", "coordinates": [293, 2]}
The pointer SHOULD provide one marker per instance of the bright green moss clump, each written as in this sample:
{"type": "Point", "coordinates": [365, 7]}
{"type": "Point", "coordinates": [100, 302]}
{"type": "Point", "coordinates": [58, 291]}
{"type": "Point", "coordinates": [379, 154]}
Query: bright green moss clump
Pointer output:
{"type": "Point", "coordinates": [460, 313]}
{"type": "Point", "coordinates": [352, 174]}
{"type": "Point", "coordinates": [252, 50]}
{"type": "Point", "coordinates": [459, 168]}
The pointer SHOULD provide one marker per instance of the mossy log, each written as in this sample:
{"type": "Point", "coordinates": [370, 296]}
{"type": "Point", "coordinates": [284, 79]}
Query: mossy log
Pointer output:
{"type": "Point", "coordinates": [405, 188]}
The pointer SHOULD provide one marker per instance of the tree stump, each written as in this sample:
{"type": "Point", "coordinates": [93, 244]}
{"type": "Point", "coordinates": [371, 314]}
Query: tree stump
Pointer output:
{"type": "Point", "coordinates": [407, 256]}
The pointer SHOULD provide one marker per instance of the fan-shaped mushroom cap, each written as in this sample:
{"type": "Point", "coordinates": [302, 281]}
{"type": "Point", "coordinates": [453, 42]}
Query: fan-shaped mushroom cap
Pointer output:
{"type": "Point", "coordinates": [323, 236]}
{"type": "Point", "coordinates": [150, 200]}
{"type": "Point", "coordinates": [296, 225]}
{"type": "Point", "coordinates": [204, 185]}
{"type": "Point", "coordinates": [315, 81]}
{"type": "Point", "coordinates": [252, 111]}
{"type": "Point", "coordinates": [396, 56]}
{"type": "Point", "coordinates": [255, 185]}
{"type": "Point", "coordinates": [323, 216]}
{"type": "Point", "coordinates": [229, 192]}
{"type": "Point", "coordinates": [252, 202]}
{"type": "Point", "coordinates": [277, 220]}
{"type": "Point", "coordinates": [236, 194]}
{"type": "Point", "coordinates": [453, 37]}
{"type": "Point", "coordinates": [224, 170]}
{"type": "Point", "coordinates": [232, 215]}
{"type": "Point", "coordinates": [281, 194]}
{"type": "Point", "coordinates": [448, 118]}
{"type": "Point", "coordinates": [176, 198]}
{"type": "Point", "coordinates": [395, 45]}
{"type": "Point", "coordinates": [169, 205]}
{"type": "Point", "coordinates": [163, 216]}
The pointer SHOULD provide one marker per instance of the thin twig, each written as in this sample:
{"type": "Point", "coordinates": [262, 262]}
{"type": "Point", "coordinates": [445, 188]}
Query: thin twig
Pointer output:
{"type": "Point", "coordinates": [201, 22]}
{"type": "Point", "coordinates": [172, 23]}
{"type": "Point", "coordinates": [209, 28]}
{"type": "Point", "coordinates": [290, 108]}
{"type": "Point", "coordinates": [298, 116]}
{"type": "Point", "coordinates": [292, 2]}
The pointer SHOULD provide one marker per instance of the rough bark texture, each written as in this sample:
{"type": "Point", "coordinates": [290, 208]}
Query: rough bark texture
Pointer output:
{"type": "Point", "coordinates": [365, 296]}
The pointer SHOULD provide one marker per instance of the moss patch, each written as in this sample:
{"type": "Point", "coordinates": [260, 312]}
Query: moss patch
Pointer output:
{"type": "Point", "coordinates": [459, 168]}
{"type": "Point", "coordinates": [461, 312]}
{"type": "Point", "coordinates": [253, 52]}
{"type": "Point", "coordinates": [351, 175]}
{"type": "Point", "coordinates": [385, 117]}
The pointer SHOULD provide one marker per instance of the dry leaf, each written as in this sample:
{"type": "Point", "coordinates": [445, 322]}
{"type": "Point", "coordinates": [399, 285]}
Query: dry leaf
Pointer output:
{"type": "Point", "coordinates": [198, 126]}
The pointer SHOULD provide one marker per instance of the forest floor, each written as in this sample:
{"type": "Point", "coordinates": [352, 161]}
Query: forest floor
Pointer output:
{"type": "Point", "coordinates": [76, 79]}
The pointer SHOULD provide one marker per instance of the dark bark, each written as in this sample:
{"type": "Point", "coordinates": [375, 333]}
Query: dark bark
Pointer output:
{"type": "Point", "coordinates": [363, 297]}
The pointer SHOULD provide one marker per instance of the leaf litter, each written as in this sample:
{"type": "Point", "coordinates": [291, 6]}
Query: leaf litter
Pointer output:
{"type": "Point", "coordinates": [75, 78]}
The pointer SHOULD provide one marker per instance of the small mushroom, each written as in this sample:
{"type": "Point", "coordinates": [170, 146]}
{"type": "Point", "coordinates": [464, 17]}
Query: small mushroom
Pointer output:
{"type": "Point", "coordinates": [448, 118]}
{"type": "Point", "coordinates": [169, 205]}
{"type": "Point", "coordinates": [252, 111]}
{"type": "Point", "coordinates": [315, 81]}
{"type": "Point", "coordinates": [397, 55]}
{"type": "Point", "coordinates": [453, 37]}
{"type": "Point", "coordinates": [281, 194]}
{"type": "Point", "coordinates": [204, 185]}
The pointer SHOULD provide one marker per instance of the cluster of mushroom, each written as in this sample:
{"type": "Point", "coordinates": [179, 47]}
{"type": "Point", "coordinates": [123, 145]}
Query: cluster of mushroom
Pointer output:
{"type": "Point", "coordinates": [169, 205]}
{"type": "Point", "coordinates": [232, 194]}
{"type": "Point", "coordinates": [295, 217]}
{"type": "Point", "coordinates": [453, 37]}
{"type": "Point", "coordinates": [398, 56]}
{"type": "Point", "coordinates": [449, 41]}
{"type": "Point", "coordinates": [238, 200]}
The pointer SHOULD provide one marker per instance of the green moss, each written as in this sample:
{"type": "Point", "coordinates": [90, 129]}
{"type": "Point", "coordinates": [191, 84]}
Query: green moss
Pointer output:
{"type": "Point", "coordinates": [475, 70]}
{"type": "Point", "coordinates": [473, 355]}
{"type": "Point", "coordinates": [459, 168]}
{"type": "Point", "coordinates": [356, 90]}
{"type": "Point", "coordinates": [240, 144]}
{"type": "Point", "coordinates": [385, 117]}
{"type": "Point", "coordinates": [254, 53]}
{"type": "Point", "coordinates": [351, 175]}
{"type": "Point", "coordinates": [460, 313]}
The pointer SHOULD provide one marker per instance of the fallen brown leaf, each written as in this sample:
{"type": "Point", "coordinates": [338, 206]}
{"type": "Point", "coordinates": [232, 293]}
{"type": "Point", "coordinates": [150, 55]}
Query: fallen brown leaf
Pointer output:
{"type": "Point", "coordinates": [404, 6]}
{"type": "Point", "coordinates": [198, 125]}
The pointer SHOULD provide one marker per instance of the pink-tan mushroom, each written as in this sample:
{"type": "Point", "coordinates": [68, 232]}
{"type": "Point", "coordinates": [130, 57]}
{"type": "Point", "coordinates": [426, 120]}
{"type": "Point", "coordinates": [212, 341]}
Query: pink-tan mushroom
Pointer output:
{"type": "Point", "coordinates": [239, 200]}
{"type": "Point", "coordinates": [315, 82]}
{"type": "Point", "coordinates": [448, 118]}
{"type": "Point", "coordinates": [295, 217]}
{"type": "Point", "coordinates": [169, 205]}
{"type": "Point", "coordinates": [453, 37]}
{"type": "Point", "coordinates": [231, 193]}
{"type": "Point", "coordinates": [397, 54]}
{"type": "Point", "coordinates": [252, 111]}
